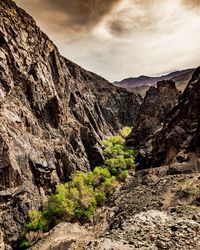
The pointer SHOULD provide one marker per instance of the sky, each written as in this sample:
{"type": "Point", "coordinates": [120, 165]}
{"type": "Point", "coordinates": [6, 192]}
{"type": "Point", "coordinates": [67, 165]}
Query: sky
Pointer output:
{"type": "Point", "coordinates": [122, 38]}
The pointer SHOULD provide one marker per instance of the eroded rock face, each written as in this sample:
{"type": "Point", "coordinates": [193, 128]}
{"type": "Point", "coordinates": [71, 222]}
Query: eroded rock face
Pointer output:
{"type": "Point", "coordinates": [53, 114]}
{"type": "Point", "coordinates": [157, 103]}
{"type": "Point", "coordinates": [178, 144]}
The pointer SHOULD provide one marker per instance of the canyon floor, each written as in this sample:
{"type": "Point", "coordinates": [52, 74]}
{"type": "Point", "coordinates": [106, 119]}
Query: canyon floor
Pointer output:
{"type": "Point", "coordinates": [154, 209]}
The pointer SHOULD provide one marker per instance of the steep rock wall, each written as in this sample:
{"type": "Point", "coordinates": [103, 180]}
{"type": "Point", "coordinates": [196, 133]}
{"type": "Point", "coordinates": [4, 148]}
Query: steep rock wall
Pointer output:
{"type": "Point", "coordinates": [153, 111]}
{"type": "Point", "coordinates": [177, 144]}
{"type": "Point", "coordinates": [53, 115]}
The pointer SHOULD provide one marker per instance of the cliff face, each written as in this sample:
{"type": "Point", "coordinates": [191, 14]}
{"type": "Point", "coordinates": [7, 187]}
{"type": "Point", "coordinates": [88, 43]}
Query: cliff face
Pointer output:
{"type": "Point", "coordinates": [53, 114]}
{"type": "Point", "coordinates": [157, 103]}
{"type": "Point", "coordinates": [177, 144]}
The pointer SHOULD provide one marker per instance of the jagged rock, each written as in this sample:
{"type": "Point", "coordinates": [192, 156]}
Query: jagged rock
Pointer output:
{"type": "Point", "coordinates": [53, 115]}
{"type": "Point", "coordinates": [177, 143]}
{"type": "Point", "coordinates": [157, 103]}
{"type": "Point", "coordinates": [151, 214]}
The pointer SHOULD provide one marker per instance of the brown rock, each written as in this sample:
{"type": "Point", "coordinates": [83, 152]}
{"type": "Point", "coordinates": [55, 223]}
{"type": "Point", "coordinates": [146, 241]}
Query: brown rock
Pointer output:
{"type": "Point", "coordinates": [53, 115]}
{"type": "Point", "coordinates": [177, 143]}
{"type": "Point", "coordinates": [157, 103]}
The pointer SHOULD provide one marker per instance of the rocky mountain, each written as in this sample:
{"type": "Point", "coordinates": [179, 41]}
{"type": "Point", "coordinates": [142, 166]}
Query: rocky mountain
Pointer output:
{"type": "Point", "coordinates": [141, 84]}
{"type": "Point", "coordinates": [182, 80]}
{"type": "Point", "coordinates": [53, 115]}
{"type": "Point", "coordinates": [177, 143]}
{"type": "Point", "coordinates": [156, 105]}
{"type": "Point", "coordinates": [172, 141]}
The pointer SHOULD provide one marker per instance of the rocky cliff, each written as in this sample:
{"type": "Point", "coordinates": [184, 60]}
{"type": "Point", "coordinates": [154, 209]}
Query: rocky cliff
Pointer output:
{"type": "Point", "coordinates": [157, 104]}
{"type": "Point", "coordinates": [53, 114]}
{"type": "Point", "coordinates": [177, 143]}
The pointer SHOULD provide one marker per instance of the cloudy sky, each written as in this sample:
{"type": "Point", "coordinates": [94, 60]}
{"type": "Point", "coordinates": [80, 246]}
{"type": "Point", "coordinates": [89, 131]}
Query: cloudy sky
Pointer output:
{"type": "Point", "coordinates": [122, 38]}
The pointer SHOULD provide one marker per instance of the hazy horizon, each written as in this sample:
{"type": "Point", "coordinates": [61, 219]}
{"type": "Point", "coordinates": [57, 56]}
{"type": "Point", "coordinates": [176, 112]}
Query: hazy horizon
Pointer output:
{"type": "Point", "coordinates": [118, 39]}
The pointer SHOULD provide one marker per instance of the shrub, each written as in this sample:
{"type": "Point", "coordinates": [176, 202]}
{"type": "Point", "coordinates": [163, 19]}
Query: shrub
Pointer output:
{"type": "Point", "coordinates": [123, 175]}
{"type": "Point", "coordinates": [124, 132]}
{"type": "Point", "coordinates": [109, 186]}
{"type": "Point", "coordinates": [38, 221]}
{"type": "Point", "coordinates": [112, 144]}
{"type": "Point", "coordinates": [100, 197]}
{"type": "Point", "coordinates": [59, 206]}
{"type": "Point", "coordinates": [118, 156]}
{"type": "Point", "coordinates": [100, 175]}
{"type": "Point", "coordinates": [23, 243]}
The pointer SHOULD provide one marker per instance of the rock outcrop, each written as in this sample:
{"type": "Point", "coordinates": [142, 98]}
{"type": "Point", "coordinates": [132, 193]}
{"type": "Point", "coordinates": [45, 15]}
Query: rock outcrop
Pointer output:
{"type": "Point", "coordinates": [53, 114]}
{"type": "Point", "coordinates": [177, 144]}
{"type": "Point", "coordinates": [153, 111]}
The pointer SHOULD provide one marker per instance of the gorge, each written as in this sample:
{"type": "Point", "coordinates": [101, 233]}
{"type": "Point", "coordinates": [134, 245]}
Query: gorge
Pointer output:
{"type": "Point", "coordinates": [54, 115]}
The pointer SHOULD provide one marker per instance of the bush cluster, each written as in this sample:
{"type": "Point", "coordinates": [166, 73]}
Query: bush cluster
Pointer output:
{"type": "Point", "coordinates": [78, 198]}
{"type": "Point", "coordinates": [75, 200]}
{"type": "Point", "coordinates": [118, 157]}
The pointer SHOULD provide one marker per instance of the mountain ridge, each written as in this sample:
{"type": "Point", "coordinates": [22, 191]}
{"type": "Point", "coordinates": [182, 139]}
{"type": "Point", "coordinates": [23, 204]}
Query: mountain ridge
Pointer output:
{"type": "Point", "coordinates": [143, 78]}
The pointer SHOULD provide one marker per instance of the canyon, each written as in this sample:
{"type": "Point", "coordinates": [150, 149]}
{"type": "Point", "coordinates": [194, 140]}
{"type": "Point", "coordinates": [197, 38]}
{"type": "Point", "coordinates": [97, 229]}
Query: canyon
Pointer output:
{"type": "Point", "coordinates": [54, 115]}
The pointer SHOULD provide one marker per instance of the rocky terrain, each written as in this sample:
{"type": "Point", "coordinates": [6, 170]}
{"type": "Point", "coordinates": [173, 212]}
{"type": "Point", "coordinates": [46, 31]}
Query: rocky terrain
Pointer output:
{"type": "Point", "coordinates": [156, 105]}
{"type": "Point", "coordinates": [53, 115]}
{"type": "Point", "coordinates": [153, 210]}
{"type": "Point", "coordinates": [182, 80]}
{"type": "Point", "coordinates": [177, 143]}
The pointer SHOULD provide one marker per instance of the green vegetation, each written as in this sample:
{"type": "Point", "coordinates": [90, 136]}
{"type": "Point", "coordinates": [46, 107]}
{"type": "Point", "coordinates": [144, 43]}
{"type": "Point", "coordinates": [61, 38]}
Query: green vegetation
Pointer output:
{"type": "Point", "coordinates": [119, 158]}
{"type": "Point", "coordinates": [78, 199]}
{"type": "Point", "coordinates": [75, 200]}
{"type": "Point", "coordinates": [23, 243]}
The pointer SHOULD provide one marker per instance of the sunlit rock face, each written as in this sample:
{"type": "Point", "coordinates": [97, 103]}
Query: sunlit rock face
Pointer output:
{"type": "Point", "coordinates": [53, 115]}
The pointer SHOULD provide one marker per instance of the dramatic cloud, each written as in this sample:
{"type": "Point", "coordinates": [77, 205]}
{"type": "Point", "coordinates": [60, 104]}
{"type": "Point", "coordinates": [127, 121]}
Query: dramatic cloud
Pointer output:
{"type": "Point", "coordinates": [70, 15]}
{"type": "Point", "coordinates": [121, 38]}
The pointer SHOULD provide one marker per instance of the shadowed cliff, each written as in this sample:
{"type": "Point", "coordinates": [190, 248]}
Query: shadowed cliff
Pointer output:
{"type": "Point", "coordinates": [53, 115]}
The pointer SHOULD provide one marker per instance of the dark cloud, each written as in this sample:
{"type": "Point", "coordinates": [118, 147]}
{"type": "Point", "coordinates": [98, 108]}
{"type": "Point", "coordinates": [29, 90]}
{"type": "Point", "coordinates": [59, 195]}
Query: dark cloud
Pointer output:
{"type": "Point", "coordinates": [70, 15]}
{"type": "Point", "coordinates": [83, 12]}
{"type": "Point", "coordinates": [118, 38]}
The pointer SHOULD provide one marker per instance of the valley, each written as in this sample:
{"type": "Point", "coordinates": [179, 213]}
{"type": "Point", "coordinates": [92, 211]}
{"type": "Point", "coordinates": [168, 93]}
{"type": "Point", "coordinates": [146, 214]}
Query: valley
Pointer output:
{"type": "Point", "coordinates": [59, 126]}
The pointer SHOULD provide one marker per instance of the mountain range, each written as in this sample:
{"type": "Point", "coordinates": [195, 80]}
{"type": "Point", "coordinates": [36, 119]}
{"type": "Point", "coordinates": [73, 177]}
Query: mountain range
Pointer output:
{"type": "Point", "coordinates": [142, 83]}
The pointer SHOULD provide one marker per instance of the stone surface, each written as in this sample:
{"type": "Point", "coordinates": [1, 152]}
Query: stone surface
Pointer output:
{"type": "Point", "coordinates": [152, 212]}
{"type": "Point", "coordinates": [65, 236]}
{"type": "Point", "coordinates": [177, 144]}
{"type": "Point", "coordinates": [53, 115]}
{"type": "Point", "coordinates": [153, 111]}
